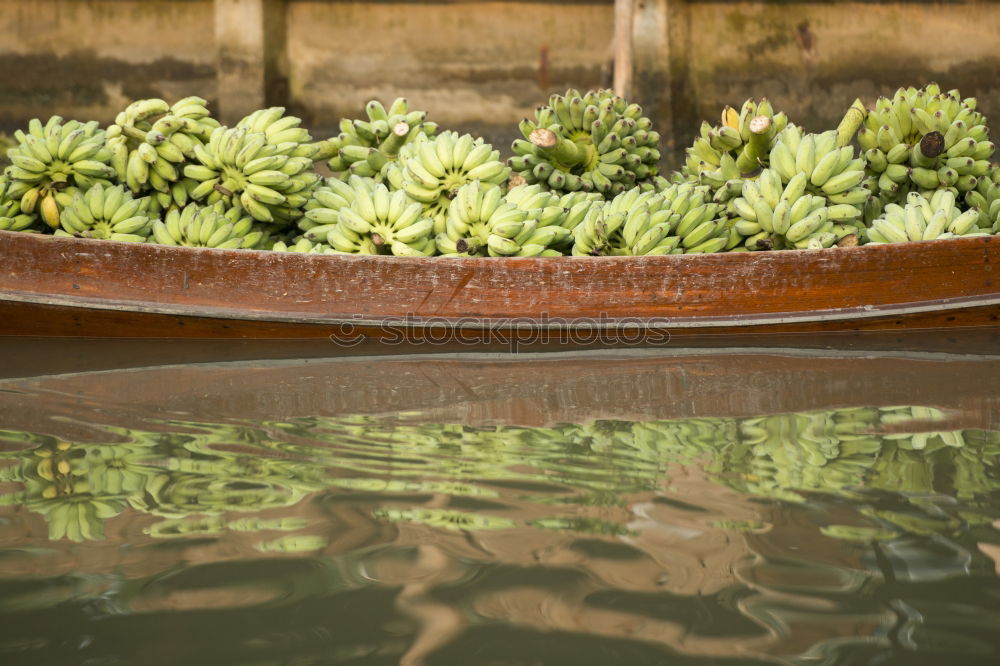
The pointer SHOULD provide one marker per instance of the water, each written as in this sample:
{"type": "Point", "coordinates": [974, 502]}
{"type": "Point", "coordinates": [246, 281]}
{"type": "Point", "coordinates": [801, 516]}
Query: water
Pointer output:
{"type": "Point", "coordinates": [733, 506]}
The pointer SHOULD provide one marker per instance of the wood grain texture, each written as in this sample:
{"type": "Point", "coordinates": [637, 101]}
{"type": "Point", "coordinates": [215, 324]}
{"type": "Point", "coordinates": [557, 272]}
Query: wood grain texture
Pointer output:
{"type": "Point", "coordinates": [56, 286]}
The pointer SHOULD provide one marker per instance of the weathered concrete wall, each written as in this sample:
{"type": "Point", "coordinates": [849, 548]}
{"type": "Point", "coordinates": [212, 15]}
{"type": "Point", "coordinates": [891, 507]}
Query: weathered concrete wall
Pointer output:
{"type": "Point", "coordinates": [813, 58]}
{"type": "Point", "coordinates": [482, 65]}
{"type": "Point", "coordinates": [87, 59]}
{"type": "Point", "coordinates": [468, 63]}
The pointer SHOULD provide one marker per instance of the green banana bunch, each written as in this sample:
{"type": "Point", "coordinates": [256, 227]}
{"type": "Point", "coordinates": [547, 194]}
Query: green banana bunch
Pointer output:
{"type": "Point", "coordinates": [925, 219]}
{"type": "Point", "coordinates": [150, 141]}
{"type": "Point", "coordinates": [986, 199]}
{"type": "Point", "coordinates": [701, 226]}
{"type": "Point", "coordinates": [594, 142]}
{"type": "Point", "coordinates": [577, 205]}
{"type": "Point", "coordinates": [329, 197]}
{"type": "Point", "coordinates": [11, 217]}
{"type": "Point", "coordinates": [269, 182]}
{"type": "Point", "coordinates": [537, 198]}
{"type": "Point", "coordinates": [676, 221]}
{"type": "Point", "coordinates": [51, 158]}
{"type": "Point", "coordinates": [772, 217]}
{"type": "Point", "coordinates": [431, 171]}
{"type": "Point", "coordinates": [646, 230]}
{"type": "Point", "coordinates": [364, 147]}
{"type": "Point", "coordinates": [925, 140]}
{"type": "Point", "coordinates": [106, 212]}
{"type": "Point", "coordinates": [481, 222]}
{"type": "Point", "coordinates": [282, 131]}
{"type": "Point", "coordinates": [211, 226]}
{"type": "Point", "coordinates": [811, 197]}
{"type": "Point", "coordinates": [303, 245]}
{"type": "Point", "coordinates": [377, 221]}
{"type": "Point", "coordinates": [723, 155]}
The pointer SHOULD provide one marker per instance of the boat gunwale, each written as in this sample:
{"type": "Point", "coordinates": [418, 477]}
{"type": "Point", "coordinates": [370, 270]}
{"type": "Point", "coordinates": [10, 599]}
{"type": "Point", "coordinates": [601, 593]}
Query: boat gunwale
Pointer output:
{"type": "Point", "coordinates": [749, 256]}
{"type": "Point", "coordinates": [659, 293]}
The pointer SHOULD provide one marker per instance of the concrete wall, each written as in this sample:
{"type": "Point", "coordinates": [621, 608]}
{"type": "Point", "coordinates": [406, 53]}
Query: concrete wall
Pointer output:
{"type": "Point", "coordinates": [813, 58]}
{"type": "Point", "coordinates": [87, 59]}
{"type": "Point", "coordinates": [482, 65]}
{"type": "Point", "coordinates": [468, 63]}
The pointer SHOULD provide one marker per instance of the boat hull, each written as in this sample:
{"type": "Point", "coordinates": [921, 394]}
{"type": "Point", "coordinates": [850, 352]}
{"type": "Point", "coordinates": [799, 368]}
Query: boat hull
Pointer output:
{"type": "Point", "coordinates": [74, 287]}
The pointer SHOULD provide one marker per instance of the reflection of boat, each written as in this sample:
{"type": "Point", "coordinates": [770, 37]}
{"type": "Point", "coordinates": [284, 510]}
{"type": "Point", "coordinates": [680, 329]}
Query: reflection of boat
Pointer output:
{"type": "Point", "coordinates": [529, 389]}
{"type": "Point", "coordinates": [84, 288]}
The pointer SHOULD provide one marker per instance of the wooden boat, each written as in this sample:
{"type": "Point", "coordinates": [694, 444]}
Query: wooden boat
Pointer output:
{"type": "Point", "coordinates": [73, 287]}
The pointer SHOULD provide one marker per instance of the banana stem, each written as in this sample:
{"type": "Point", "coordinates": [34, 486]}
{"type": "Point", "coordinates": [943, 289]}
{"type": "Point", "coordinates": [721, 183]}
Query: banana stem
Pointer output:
{"type": "Point", "coordinates": [757, 147]}
{"type": "Point", "coordinates": [850, 124]}
{"type": "Point", "coordinates": [397, 137]}
{"type": "Point", "coordinates": [561, 150]}
{"type": "Point", "coordinates": [932, 144]}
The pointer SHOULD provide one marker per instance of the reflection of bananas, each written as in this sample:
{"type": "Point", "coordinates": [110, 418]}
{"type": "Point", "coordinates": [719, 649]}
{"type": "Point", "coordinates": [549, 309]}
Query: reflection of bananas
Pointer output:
{"type": "Point", "coordinates": [451, 520]}
{"type": "Point", "coordinates": [293, 543]}
{"type": "Point", "coordinates": [195, 480]}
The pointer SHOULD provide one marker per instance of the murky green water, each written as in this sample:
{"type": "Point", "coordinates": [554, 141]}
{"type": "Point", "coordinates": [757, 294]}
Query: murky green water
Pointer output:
{"type": "Point", "coordinates": [733, 507]}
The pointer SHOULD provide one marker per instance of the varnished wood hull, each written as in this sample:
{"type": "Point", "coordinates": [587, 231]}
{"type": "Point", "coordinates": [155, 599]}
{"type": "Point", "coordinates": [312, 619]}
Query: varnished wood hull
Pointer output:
{"type": "Point", "coordinates": [70, 287]}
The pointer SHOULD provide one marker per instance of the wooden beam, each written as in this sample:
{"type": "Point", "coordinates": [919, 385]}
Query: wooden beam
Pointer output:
{"type": "Point", "coordinates": [250, 59]}
{"type": "Point", "coordinates": [624, 14]}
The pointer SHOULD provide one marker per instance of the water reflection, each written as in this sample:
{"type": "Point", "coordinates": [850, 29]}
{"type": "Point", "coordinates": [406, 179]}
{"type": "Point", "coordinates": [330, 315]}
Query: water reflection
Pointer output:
{"type": "Point", "coordinates": [847, 535]}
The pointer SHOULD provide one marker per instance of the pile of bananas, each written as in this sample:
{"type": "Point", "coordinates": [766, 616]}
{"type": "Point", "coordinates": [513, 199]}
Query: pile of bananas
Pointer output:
{"type": "Point", "coordinates": [593, 142]}
{"type": "Point", "coordinates": [213, 226]}
{"type": "Point", "coordinates": [268, 179]}
{"type": "Point", "coordinates": [925, 219]}
{"type": "Point", "coordinates": [364, 147]}
{"type": "Point", "coordinates": [52, 158]}
{"type": "Point", "coordinates": [723, 155]}
{"type": "Point", "coordinates": [107, 212]}
{"type": "Point", "coordinates": [150, 141]}
{"type": "Point", "coordinates": [923, 139]}
{"type": "Point", "coordinates": [584, 180]}
{"type": "Point", "coordinates": [432, 170]}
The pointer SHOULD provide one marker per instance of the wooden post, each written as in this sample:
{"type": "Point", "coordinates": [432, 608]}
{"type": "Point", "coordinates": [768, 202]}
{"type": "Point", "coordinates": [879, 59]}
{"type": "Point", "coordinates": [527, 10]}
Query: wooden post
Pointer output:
{"type": "Point", "coordinates": [662, 43]}
{"type": "Point", "coordinates": [624, 12]}
{"type": "Point", "coordinates": [250, 45]}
